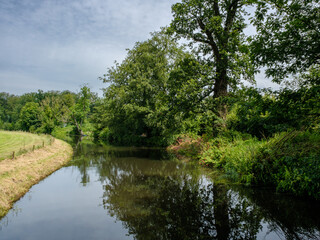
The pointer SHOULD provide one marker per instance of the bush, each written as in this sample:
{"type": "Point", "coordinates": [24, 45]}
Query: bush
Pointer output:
{"type": "Point", "coordinates": [235, 156]}
{"type": "Point", "coordinates": [291, 162]}
{"type": "Point", "coordinates": [187, 146]}
{"type": "Point", "coordinates": [263, 113]}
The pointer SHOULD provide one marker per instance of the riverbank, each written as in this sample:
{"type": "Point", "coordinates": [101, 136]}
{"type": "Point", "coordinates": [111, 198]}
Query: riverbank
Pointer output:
{"type": "Point", "coordinates": [19, 175]}
{"type": "Point", "coordinates": [288, 161]}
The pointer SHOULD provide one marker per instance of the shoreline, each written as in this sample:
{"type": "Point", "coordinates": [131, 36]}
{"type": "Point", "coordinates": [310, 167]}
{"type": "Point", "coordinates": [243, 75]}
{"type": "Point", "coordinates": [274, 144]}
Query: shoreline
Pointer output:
{"type": "Point", "coordinates": [19, 175]}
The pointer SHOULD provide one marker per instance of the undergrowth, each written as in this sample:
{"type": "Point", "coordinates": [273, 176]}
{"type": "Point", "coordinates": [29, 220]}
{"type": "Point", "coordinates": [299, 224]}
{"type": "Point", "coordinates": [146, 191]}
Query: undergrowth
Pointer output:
{"type": "Point", "coordinates": [288, 161]}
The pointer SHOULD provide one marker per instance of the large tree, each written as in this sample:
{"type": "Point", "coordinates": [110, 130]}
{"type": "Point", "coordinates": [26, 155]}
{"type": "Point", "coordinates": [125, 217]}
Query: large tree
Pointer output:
{"type": "Point", "coordinates": [135, 86]}
{"type": "Point", "coordinates": [146, 94]}
{"type": "Point", "coordinates": [216, 26]}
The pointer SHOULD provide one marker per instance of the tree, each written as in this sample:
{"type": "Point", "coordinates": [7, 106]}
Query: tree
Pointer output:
{"type": "Point", "coordinates": [56, 107]}
{"type": "Point", "coordinates": [216, 26]}
{"type": "Point", "coordinates": [287, 40]}
{"type": "Point", "coordinates": [81, 109]}
{"type": "Point", "coordinates": [138, 90]}
{"type": "Point", "coordinates": [30, 116]}
{"type": "Point", "coordinates": [185, 107]}
{"type": "Point", "coordinates": [4, 105]}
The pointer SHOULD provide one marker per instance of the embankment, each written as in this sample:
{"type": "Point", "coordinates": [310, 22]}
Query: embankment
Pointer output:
{"type": "Point", "coordinates": [18, 175]}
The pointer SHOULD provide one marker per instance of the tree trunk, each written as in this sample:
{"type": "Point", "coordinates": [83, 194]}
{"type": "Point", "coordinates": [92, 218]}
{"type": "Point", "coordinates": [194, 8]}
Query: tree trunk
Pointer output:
{"type": "Point", "coordinates": [78, 126]}
{"type": "Point", "coordinates": [221, 90]}
{"type": "Point", "coordinates": [221, 83]}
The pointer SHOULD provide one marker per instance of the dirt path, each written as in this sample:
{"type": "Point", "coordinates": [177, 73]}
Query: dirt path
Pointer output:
{"type": "Point", "coordinates": [17, 176]}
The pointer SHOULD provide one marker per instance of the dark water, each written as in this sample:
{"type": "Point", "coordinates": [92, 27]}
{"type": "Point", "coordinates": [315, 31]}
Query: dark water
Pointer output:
{"type": "Point", "coordinates": [130, 193]}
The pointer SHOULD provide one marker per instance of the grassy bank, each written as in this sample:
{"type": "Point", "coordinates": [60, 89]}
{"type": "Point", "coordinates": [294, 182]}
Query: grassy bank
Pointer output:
{"type": "Point", "coordinates": [18, 175]}
{"type": "Point", "coordinates": [20, 142]}
{"type": "Point", "coordinates": [289, 161]}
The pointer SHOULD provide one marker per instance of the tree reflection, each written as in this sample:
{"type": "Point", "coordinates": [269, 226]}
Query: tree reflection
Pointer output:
{"type": "Point", "coordinates": [173, 200]}
{"type": "Point", "coordinates": [170, 200]}
{"type": "Point", "coordinates": [288, 217]}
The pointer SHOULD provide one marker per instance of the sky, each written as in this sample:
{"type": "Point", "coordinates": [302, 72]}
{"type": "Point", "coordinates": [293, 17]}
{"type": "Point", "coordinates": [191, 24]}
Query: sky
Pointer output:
{"type": "Point", "coordinates": [61, 45]}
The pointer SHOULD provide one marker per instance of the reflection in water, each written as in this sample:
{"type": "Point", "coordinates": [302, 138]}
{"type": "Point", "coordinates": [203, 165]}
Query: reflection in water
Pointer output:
{"type": "Point", "coordinates": [161, 199]}
{"type": "Point", "coordinates": [286, 216]}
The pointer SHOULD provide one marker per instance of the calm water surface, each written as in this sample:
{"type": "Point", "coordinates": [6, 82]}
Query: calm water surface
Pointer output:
{"type": "Point", "coordinates": [131, 193]}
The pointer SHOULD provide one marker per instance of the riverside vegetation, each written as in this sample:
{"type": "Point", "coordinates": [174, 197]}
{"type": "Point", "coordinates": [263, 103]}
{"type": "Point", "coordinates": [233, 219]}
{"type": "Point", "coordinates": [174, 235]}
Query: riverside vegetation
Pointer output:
{"type": "Point", "coordinates": [192, 96]}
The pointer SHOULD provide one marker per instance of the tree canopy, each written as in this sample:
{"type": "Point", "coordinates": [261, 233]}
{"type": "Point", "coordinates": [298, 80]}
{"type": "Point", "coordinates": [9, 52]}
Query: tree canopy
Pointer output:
{"type": "Point", "coordinates": [138, 88]}
{"type": "Point", "coordinates": [215, 28]}
{"type": "Point", "coordinates": [287, 39]}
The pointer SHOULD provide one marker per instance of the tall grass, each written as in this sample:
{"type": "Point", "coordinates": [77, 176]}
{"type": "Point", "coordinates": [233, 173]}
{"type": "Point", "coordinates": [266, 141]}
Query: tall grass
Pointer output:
{"type": "Point", "coordinates": [234, 157]}
{"type": "Point", "coordinates": [289, 161]}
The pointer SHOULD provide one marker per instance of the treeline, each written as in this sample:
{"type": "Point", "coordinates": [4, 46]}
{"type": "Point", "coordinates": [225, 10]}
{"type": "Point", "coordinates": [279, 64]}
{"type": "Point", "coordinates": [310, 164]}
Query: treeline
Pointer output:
{"type": "Point", "coordinates": [48, 112]}
{"type": "Point", "coordinates": [161, 91]}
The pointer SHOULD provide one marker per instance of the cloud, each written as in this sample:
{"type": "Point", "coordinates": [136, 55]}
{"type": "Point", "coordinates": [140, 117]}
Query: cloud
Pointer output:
{"type": "Point", "coordinates": [81, 19]}
{"type": "Point", "coordinates": [58, 45]}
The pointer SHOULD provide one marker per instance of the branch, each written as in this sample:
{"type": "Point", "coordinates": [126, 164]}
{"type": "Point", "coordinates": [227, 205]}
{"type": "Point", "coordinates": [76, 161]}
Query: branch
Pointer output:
{"type": "Point", "coordinates": [231, 13]}
{"type": "Point", "coordinates": [210, 41]}
{"type": "Point", "coordinates": [200, 40]}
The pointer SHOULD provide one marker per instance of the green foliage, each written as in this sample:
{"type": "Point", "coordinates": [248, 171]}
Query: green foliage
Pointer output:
{"type": "Point", "coordinates": [288, 33]}
{"type": "Point", "coordinates": [11, 106]}
{"type": "Point", "coordinates": [215, 29]}
{"type": "Point", "coordinates": [62, 132]}
{"type": "Point", "coordinates": [56, 108]}
{"type": "Point", "coordinates": [30, 117]}
{"type": "Point", "coordinates": [234, 153]}
{"type": "Point", "coordinates": [264, 113]}
{"type": "Point", "coordinates": [41, 112]}
{"type": "Point", "coordinates": [80, 111]}
{"type": "Point", "coordinates": [291, 162]}
{"type": "Point", "coordinates": [146, 100]}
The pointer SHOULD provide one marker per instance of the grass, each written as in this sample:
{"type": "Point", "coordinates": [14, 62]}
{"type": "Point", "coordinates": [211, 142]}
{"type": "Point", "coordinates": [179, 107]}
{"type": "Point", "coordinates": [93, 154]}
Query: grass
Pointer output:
{"type": "Point", "coordinates": [235, 157]}
{"type": "Point", "coordinates": [288, 161]}
{"type": "Point", "coordinates": [20, 143]}
{"type": "Point", "coordinates": [18, 175]}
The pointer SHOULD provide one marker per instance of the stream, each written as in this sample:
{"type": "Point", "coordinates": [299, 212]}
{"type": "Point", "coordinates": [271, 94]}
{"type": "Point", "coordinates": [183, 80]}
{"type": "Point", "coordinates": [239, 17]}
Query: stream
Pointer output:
{"type": "Point", "coordinates": [115, 193]}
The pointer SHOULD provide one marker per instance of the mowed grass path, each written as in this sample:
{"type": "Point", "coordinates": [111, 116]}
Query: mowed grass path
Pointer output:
{"type": "Point", "coordinates": [20, 142]}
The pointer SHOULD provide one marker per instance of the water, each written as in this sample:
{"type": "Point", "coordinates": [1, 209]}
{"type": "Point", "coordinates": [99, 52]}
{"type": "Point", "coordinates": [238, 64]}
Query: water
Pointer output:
{"type": "Point", "coordinates": [131, 193]}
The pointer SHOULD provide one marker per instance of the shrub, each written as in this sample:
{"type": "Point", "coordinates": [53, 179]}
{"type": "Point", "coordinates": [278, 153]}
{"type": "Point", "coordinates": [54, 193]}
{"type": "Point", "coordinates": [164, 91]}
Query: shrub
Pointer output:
{"type": "Point", "coordinates": [291, 162]}
{"type": "Point", "coordinates": [187, 146]}
{"type": "Point", "coordinates": [235, 157]}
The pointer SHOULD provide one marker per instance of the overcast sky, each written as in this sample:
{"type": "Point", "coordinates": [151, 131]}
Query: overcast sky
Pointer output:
{"type": "Point", "coordinates": [60, 45]}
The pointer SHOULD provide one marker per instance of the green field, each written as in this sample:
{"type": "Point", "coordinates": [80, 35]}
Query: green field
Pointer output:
{"type": "Point", "coordinates": [20, 142]}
